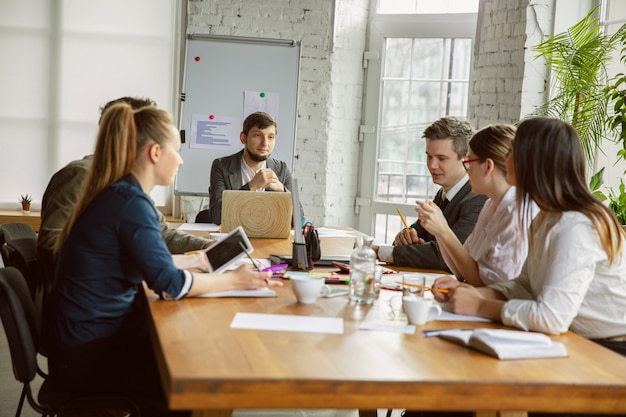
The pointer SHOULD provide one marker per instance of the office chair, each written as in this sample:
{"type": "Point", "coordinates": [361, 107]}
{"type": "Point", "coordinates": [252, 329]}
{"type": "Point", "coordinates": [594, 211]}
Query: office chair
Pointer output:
{"type": "Point", "coordinates": [203, 216]}
{"type": "Point", "coordinates": [21, 328]}
{"type": "Point", "coordinates": [19, 249]}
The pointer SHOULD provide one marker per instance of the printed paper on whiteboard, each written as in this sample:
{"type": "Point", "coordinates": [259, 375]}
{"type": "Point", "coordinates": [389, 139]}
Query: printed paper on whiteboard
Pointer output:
{"type": "Point", "coordinates": [260, 101]}
{"type": "Point", "coordinates": [215, 132]}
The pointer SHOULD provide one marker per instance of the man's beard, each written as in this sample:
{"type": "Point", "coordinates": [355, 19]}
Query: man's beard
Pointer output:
{"type": "Point", "coordinates": [256, 157]}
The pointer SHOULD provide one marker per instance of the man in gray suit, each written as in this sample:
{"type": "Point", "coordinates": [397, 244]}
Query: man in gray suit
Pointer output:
{"type": "Point", "coordinates": [252, 168]}
{"type": "Point", "coordinates": [447, 143]}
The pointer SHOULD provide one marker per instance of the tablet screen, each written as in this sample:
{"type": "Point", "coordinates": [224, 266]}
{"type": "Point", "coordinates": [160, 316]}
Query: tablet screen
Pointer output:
{"type": "Point", "coordinates": [228, 250]}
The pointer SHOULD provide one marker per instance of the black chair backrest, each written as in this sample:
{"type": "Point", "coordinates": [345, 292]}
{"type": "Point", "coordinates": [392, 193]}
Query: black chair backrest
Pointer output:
{"type": "Point", "coordinates": [18, 318]}
{"type": "Point", "coordinates": [203, 216]}
{"type": "Point", "coordinates": [17, 312]}
{"type": "Point", "coordinates": [20, 251]}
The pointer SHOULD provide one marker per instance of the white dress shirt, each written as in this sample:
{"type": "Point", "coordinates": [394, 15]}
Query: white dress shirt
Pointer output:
{"type": "Point", "coordinates": [567, 282]}
{"type": "Point", "coordinates": [499, 241]}
{"type": "Point", "coordinates": [248, 173]}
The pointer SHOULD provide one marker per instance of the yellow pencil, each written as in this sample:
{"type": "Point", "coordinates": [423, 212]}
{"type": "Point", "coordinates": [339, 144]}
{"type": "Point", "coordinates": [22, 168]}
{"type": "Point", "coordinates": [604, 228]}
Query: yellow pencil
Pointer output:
{"type": "Point", "coordinates": [406, 226]}
{"type": "Point", "coordinates": [408, 284]}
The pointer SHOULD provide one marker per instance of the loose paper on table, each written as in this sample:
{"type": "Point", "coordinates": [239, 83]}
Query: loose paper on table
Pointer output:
{"type": "Point", "coordinates": [287, 323]}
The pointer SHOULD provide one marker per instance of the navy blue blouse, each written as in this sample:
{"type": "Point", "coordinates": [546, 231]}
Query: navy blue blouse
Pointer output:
{"type": "Point", "coordinates": [113, 246]}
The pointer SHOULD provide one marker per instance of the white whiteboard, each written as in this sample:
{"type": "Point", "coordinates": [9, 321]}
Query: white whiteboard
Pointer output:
{"type": "Point", "coordinates": [219, 71]}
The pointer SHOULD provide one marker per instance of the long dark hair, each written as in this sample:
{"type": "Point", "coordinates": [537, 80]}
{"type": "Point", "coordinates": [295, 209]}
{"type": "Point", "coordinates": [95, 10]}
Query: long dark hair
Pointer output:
{"type": "Point", "coordinates": [550, 168]}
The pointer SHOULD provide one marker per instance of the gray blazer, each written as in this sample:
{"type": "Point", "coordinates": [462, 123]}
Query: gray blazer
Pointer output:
{"type": "Point", "coordinates": [462, 213]}
{"type": "Point", "coordinates": [226, 175]}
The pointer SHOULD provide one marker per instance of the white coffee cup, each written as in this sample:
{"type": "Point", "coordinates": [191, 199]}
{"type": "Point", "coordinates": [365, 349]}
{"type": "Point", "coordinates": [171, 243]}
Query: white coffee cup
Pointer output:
{"type": "Point", "coordinates": [308, 288]}
{"type": "Point", "coordinates": [418, 309]}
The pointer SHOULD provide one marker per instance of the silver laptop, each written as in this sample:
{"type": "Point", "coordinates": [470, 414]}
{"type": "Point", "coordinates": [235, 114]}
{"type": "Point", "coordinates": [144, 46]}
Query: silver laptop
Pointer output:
{"type": "Point", "coordinates": [263, 214]}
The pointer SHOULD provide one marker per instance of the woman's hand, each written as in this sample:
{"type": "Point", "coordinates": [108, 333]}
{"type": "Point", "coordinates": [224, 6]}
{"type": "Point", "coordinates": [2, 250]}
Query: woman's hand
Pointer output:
{"type": "Point", "coordinates": [247, 278]}
{"type": "Point", "coordinates": [431, 217]}
{"type": "Point", "coordinates": [446, 283]}
{"type": "Point", "coordinates": [465, 299]}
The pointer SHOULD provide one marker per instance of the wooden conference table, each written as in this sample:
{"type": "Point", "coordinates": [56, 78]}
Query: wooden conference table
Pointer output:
{"type": "Point", "coordinates": [210, 368]}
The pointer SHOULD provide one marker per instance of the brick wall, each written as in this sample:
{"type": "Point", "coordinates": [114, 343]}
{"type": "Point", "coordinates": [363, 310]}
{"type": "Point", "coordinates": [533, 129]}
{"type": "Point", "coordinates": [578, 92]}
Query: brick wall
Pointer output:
{"type": "Point", "coordinates": [507, 82]}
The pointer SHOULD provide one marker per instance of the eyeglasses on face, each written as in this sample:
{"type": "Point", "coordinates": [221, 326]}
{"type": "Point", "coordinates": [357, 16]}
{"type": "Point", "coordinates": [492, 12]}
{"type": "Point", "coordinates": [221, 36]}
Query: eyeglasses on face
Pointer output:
{"type": "Point", "coordinates": [467, 162]}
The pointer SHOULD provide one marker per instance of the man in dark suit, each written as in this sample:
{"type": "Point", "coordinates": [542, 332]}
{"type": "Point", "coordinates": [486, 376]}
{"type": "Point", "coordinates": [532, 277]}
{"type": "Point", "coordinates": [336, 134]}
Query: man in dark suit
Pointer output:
{"type": "Point", "coordinates": [447, 143]}
{"type": "Point", "coordinates": [252, 168]}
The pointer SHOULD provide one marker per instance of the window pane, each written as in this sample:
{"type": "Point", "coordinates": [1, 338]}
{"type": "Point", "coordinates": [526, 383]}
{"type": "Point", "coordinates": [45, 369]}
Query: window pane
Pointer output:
{"type": "Point", "coordinates": [395, 51]}
{"type": "Point", "coordinates": [427, 6]}
{"type": "Point", "coordinates": [461, 58]}
{"type": "Point", "coordinates": [387, 226]}
{"type": "Point", "coordinates": [437, 86]}
{"type": "Point", "coordinates": [395, 104]}
{"type": "Point", "coordinates": [108, 50]}
{"type": "Point", "coordinates": [427, 58]}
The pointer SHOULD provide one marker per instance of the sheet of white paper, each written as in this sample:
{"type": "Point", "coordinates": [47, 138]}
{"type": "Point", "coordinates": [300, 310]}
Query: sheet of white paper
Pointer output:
{"type": "Point", "coordinates": [327, 232]}
{"type": "Point", "coordinates": [199, 227]}
{"type": "Point", "coordinates": [447, 316]}
{"type": "Point", "coordinates": [287, 323]}
{"type": "Point", "coordinates": [210, 131]}
{"type": "Point", "coordinates": [262, 292]}
{"type": "Point", "coordinates": [393, 327]}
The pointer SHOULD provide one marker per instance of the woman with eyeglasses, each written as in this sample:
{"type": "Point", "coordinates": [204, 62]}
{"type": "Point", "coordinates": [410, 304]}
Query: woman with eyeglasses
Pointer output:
{"type": "Point", "coordinates": [497, 247]}
{"type": "Point", "coordinates": [575, 275]}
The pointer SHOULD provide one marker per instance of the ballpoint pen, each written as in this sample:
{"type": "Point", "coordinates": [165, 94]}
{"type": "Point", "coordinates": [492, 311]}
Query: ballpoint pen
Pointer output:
{"type": "Point", "coordinates": [406, 226]}
{"type": "Point", "coordinates": [252, 260]}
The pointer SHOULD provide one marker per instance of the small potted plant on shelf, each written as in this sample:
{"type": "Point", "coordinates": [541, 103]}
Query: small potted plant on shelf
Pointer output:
{"type": "Point", "coordinates": [25, 200]}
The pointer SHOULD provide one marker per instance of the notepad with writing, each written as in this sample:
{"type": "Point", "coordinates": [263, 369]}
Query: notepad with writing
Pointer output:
{"type": "Point", "coordinates": [507, 344]}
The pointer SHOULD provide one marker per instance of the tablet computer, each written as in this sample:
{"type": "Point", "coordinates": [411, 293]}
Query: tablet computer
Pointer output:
{"type": "Point", "coordinates": [230, 248]}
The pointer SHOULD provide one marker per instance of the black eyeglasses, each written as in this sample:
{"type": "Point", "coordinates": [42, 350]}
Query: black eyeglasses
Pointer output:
{"type": "Point", "coordinates": [467, 162]}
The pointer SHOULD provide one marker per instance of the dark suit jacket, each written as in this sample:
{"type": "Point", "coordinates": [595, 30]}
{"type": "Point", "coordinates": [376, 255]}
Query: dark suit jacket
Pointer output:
{"type": "Point", "coordinates": [226, 175]}
{"type": "Point", "coordinates": [462, 213]}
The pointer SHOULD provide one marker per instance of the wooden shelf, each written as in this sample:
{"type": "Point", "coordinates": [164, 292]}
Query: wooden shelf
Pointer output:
{"type": "Point", "coordinates": [33, 218]}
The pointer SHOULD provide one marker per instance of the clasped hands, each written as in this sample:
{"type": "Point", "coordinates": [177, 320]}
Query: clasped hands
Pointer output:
{"type": "Point", "coordinates": [431, 218]}
{"type": "Point", "coordinates": [266, 178]}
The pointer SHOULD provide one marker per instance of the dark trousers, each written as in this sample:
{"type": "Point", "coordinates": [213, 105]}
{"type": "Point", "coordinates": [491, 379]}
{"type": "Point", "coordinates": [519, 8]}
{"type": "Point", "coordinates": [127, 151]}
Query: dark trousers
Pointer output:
{"type": "Point", "coordinates": [113, 367]}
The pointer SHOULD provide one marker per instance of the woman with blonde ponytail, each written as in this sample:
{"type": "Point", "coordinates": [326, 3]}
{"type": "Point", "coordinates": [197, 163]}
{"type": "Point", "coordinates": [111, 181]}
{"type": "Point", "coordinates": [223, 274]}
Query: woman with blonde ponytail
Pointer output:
{"type": "Point", "coordinates": [112, 243]}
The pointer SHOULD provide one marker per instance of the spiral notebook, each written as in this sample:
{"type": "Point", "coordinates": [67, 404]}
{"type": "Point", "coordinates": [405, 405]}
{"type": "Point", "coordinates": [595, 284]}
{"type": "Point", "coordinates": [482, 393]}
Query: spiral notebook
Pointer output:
{"type": "Point", "coordinates": [264, 214]}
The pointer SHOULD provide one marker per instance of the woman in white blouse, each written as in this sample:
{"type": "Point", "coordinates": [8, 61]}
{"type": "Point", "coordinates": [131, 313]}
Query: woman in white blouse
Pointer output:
{"type": "Point", "coordinates": [574, 277]}
{"type": "Point", "coordinates": [497, 247]}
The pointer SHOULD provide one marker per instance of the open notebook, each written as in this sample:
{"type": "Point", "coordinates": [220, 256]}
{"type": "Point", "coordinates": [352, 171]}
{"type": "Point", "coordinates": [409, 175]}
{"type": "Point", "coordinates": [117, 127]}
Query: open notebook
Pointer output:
{"type": "Point", "coordinates": [261, 214]}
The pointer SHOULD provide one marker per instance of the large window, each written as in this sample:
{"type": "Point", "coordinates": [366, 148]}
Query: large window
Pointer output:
{"type": "Point", "coordinates": [422, 80]}
{"type": "Point", "coordinates": [422, 73]}
{"type": "Point", "coordinates": [60, 60]}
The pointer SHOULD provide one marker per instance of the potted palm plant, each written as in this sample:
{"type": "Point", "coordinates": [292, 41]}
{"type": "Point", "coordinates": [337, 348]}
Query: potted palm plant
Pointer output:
{"type": "Point", "coordinates": [584, 95]}
{"type": "Point", "coordinates": [616, 91]}
{"type": "Point", "coordinates": [578, 59]}
{"type": "Point", "coordinates": [26, 200]}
